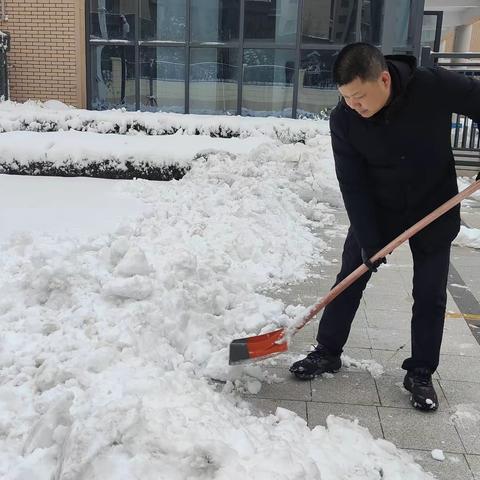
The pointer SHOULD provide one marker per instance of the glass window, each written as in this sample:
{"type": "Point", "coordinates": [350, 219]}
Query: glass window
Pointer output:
{"type": "Point", "coordinates": [271, 20]}
{"type": "Point", "coordinates": [113, 77]}
{"type": "Point", "coordinates": [316, 90]}
{"type": "Point", "coordinates": [213, 80]}
{"type": "Point", "coordinates": [162, 79]}
{"type": "Point", "coordinates": [268, 82]}
{"type": "Point", "coordinates": [215, 20]}
{"type": "Point", "coordinates": [401, 37]}
{"type": "Point", "coordinates": [371, 27]}
{"type": "Point", "coordinates": [163, 20]}
{"type": "Point", "coordinates": [112, 19]}
{"type": "Point", "coordinates": [326, 21]}
{"type": "Point", "coordinates": [317, 20]}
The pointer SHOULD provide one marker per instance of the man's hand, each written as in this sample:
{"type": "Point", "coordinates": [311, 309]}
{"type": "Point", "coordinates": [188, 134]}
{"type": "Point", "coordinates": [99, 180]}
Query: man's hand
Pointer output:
{"type": "Point", "coordinates": [367, 254]}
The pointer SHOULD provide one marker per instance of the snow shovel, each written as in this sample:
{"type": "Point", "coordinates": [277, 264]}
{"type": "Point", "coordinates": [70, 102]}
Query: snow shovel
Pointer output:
{"type": "Point", "coordinates": [268, 344]}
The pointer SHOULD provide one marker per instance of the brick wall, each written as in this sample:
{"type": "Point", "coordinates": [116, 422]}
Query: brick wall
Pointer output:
{"type": "Point", "coordinates": [47, 56]}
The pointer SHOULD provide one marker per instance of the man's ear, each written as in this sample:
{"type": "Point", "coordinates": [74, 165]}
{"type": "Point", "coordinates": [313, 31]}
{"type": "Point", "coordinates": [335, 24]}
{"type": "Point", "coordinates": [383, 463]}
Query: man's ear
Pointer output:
{"type": "Point", "coordinates": [385, 78]}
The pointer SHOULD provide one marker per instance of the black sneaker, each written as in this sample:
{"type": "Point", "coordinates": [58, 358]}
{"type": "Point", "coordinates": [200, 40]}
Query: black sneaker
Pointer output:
{"type": "Point", "coordinates": [419, 383]}
{"type": "Point", "coordinates": [315, 363]}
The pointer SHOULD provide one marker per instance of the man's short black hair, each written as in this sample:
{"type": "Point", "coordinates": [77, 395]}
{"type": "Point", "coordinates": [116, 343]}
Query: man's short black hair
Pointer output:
{"type": "Point", "coordinates": [360, 60]}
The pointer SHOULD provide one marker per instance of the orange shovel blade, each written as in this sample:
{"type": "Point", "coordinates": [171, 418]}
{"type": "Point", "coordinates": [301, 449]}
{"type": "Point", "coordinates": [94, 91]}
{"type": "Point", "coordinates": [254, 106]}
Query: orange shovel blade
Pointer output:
{"type": "Point", "coordinates": [248, 348]}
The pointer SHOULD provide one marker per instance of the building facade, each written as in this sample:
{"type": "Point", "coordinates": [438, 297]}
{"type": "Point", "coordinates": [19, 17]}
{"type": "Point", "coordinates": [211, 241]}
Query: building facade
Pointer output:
{"type": "Point", "coordinates": [246, 57]}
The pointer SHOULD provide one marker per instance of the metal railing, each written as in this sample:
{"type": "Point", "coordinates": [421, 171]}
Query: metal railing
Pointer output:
{"type": "Point", "coordinates": [465, 132]}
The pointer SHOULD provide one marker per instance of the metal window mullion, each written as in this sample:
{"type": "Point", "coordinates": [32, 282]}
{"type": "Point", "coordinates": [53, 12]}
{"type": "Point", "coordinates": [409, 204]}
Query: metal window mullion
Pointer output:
{"type": "Point", "coordinates": [241, 38]}
{"type": "Point", "coordinates": [358, 21]}
{"type": "Point", "coordinates": [416, 24]}
{"type": "Point", "coordinates": [187, 57]}
{"type": "Point", "coordinates": [296, 75]}
{"type": "Point", "coordinates": [137, 58]}
{"type": "Point", "coordinates": [322, 46]}
{"type": "Point", "coordinates": [271, 45]}
{"type": "Point", "coordinates": [88, 67]}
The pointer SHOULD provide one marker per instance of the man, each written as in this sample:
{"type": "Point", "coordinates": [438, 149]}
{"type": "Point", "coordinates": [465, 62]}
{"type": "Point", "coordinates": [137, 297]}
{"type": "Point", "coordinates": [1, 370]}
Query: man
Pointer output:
{"type": "Point", "coordinates": [391, 143]}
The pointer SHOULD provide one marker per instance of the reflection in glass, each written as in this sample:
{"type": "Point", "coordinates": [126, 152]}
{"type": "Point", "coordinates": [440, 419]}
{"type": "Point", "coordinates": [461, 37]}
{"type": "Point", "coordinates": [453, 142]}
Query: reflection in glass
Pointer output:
{"type": "Point", "coordinates": [371, 26]}
{"type": "Point", "coordinates": [326, 21]}
{"type": "Point", "coordinates": [113, 77]}
{"type": "Point", "coordinates": [213, 80]}
{"type": "Point", "coordinates": [112, 19]}
{"type": "Point", "coordinates": [273, 20]}
{"type": "Point", "coordinates": [429, 30]}
{"type": "Point", "coordinates": [402, 22]}
{"type": "Point", "coordinates": [316, 90]}
{"type": "Point", "coordinates": [268, 82]}
{"type": "Point", "coordinates": [215, 20]}
{"type": "Point", "coordinates": [162, 79]}
{"type": "Point", "coordinates": [163, 20]}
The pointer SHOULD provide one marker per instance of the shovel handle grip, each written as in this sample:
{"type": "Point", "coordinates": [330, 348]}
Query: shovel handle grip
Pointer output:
{"type": "Point", "coordinates": [356, 274]}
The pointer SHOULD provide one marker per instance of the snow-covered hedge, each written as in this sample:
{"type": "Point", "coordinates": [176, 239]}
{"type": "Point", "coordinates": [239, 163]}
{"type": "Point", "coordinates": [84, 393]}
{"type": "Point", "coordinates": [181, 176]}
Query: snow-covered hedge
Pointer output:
{"type": "Point", "coordinates": [104, 169]}
{"type": "Point", "coordinates": [87, 154]}
{"type": "Point", "coordinates": [55, 116]}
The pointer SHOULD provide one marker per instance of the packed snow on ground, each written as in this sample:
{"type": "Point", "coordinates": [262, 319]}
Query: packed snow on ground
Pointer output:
{"type": "Point", "coordinates": [468, 237]}
{"type": "Point", "coordinates": [111, 331]}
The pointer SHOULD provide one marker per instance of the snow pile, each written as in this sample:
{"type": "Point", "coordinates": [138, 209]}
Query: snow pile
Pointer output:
{"type": "Point", "coordinates": [107, 343]}
{"type": "Point", "coordinates": [54, 116]}
{"type": "Point", "coordinates": [468, 237]}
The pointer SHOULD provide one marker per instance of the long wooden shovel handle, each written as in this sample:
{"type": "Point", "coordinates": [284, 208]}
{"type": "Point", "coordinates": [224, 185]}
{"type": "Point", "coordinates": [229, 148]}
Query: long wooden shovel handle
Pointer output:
{"type": "Point", "coordinates": [356, 274]}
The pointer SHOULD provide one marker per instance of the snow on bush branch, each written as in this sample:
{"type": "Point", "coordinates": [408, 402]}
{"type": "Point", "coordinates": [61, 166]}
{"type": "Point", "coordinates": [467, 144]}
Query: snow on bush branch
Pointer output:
{"type": "Point", "coordinates": [54, 116]}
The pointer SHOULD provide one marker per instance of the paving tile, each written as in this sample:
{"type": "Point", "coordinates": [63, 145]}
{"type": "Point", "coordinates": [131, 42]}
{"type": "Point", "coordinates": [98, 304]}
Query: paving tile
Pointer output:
{"type": "Point", "coordinates": [454, 467]}
{"type": "Point", "coordinates": [391, 361]}
{"type": "Point", "coordinates": [461, 392]}
{"type": "Point", "coordinates": [410, 428]}
{"type": "Point", "coordinates": [456, 326]}
{"type": "Point", "coordinates": [367, 416]}
{"type": "Point", "coordinates": [388, 319]}
{"type": "Point", "coordinates": [358, 338]}
{"type": "Point", "coordinates": [464, 345]}
{"type": "Point", "coordinates": [358, 354]}
{"type": "Point", "coordinates": [474, 462]}
{"type": "Point", "coordinates": [392, 393]}
{"type": "Point", "coordinates": [353, 387]}
{"type": "Point", "coordinates": [289, 388]}
{"type": "Point", "coordinates": [399, 302]}
{"type": "Point", "coordinates": [269, 406]}
{"type": "Point", "coordinates": [466, 418]}
{"type": "Point", "coordinates": [454, 367]}
{"type": "Point", "coordinates": [388, 339]}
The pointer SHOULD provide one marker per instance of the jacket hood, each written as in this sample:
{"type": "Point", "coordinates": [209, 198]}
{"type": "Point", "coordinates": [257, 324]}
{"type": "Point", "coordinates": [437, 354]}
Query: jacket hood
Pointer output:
{"type": "Point", "coordinates": [401, 68]}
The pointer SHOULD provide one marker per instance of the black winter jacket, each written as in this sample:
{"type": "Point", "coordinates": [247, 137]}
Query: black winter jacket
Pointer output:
{"type": "Point", "coordinates": [397, 166]}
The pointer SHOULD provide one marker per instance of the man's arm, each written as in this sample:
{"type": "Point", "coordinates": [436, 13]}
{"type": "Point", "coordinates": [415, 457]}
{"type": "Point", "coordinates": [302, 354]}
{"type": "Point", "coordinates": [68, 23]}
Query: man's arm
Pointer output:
{"type": "Point", "coordinates": [352, 176]}
{"type": "Point", "coordinates": [459, 93]}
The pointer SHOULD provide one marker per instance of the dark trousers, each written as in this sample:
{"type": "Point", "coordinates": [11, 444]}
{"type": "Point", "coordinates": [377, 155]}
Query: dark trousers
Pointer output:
{"type": "Point", "coordinates": [430, 274]}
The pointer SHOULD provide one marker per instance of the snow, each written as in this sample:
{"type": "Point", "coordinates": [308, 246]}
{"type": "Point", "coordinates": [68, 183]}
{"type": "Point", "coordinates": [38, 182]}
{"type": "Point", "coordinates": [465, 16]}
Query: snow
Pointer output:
{"type": "Point", "coordinates": [54, 116]}
{"type": "Point", "coordinates": [437, 454]}
{"type": "Point", "coordinates": [371, 366]}
{"type": "Point", "coordinates": [468, 237]}
{"type": "Point", "coordinates": [119, 300]}
{"type": "Point", "coordinates": [72, 148]}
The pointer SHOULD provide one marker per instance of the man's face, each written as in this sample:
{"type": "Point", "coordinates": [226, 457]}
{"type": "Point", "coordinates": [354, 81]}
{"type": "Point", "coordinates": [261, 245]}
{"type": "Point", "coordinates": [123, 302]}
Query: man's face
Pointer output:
{"type": "Point", "coordinates": [367, 98]}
